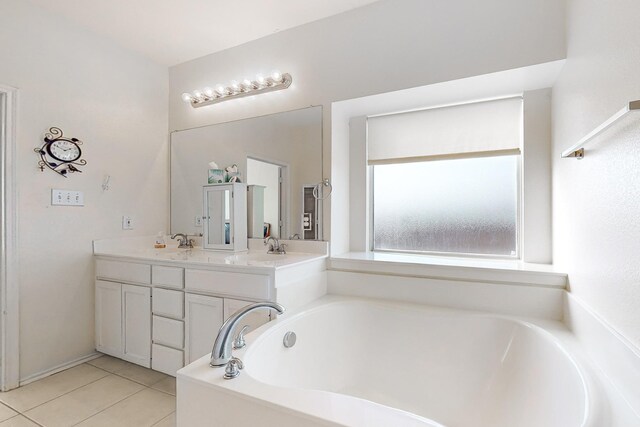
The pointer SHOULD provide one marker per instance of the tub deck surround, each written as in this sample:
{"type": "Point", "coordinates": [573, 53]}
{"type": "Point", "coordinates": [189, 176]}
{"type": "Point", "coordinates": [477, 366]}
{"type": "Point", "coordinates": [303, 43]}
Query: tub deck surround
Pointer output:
{"type": "Point", "coordinates": [451, 268]}
{"type": "Point", "coordinates": [455, 369]}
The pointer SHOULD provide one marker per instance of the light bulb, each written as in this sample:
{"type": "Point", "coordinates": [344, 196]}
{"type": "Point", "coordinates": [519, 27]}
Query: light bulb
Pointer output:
{"type": "Point", "coordinates": [209, 92]}
{"type": "Point", "coordinates": [276, 76]}
{"type": "Point", "coordinates": [197, 94]}
{"type": "Point", "coordinates": [186, 97]}
{"type": "Point", "coordinates": [235, 86]}
{"type": "Point", "coordinates": [248, 85]}
{"type": "Point", "coordinates": [260, 79]}
{"type": "Point", "coordinates": [221, 90]}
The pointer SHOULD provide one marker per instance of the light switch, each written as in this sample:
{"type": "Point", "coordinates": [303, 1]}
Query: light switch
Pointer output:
{"type": "Point", "coordinates": [127, 223]}
{"type": "Point", "coordinates": [67, 198]}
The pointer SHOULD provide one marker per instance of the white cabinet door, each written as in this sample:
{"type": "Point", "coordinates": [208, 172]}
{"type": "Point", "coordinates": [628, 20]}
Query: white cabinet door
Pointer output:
{"type": "Point", "coordinates": [254, 320]}
{"type": "Point", "coordinates": [109, 318]}
{"type": "Point", "coordinates": [136, 320]}
{"type": "Point", "coordinates": [203, 318]}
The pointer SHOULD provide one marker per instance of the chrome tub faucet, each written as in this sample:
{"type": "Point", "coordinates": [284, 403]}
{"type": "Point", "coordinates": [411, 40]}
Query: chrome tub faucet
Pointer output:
{"type": "Point", "coordinates": [223, 346]}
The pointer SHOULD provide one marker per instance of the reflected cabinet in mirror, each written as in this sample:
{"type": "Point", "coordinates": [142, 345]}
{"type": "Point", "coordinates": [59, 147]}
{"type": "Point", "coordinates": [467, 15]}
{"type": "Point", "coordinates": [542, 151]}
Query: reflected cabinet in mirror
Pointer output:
{"type": "Point", "coordinates": [224, 217]}
{"type": "Point", "coordinates": [279, 158]}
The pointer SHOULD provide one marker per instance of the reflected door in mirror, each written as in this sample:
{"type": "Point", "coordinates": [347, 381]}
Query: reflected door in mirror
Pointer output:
{"type": "Point", "coordinates": [225, 216]}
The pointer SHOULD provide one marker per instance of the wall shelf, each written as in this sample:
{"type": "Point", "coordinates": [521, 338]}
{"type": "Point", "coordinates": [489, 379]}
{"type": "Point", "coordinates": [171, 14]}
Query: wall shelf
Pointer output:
{"type": "Point", "coordinates": [577, 150]}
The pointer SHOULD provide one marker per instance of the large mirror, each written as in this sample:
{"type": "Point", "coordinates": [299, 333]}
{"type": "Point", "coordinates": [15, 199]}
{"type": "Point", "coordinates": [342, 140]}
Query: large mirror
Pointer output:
{"type": "Point", "coordinates": [279, 157]}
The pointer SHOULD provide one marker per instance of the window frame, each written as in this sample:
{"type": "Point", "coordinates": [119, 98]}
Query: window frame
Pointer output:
{"type": "Point", "coordinates": [519, 221]}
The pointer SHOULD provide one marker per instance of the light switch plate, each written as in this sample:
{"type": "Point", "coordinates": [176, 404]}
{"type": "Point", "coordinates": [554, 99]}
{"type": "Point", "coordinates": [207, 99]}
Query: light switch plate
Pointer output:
{"type": "Point", "coordinates": [67, 198]}
{"type": "Point", "coordinates": [198, 221]}
{"type": "Point", "coordinates": [127, 223]}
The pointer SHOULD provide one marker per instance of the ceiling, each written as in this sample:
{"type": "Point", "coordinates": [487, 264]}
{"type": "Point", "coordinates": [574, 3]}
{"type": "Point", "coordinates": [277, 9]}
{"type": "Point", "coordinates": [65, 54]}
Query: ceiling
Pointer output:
{"type": "Point", "coordinates": [173, 31]}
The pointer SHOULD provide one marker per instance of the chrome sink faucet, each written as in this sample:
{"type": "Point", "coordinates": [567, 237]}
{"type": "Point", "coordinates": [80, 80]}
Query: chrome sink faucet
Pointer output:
{"type": "Point", "coordinates": [275, 247]}
{"type": "Point", "coordinates": [222, 347]}
{"type": "Point", "coordinates": [184, 242]}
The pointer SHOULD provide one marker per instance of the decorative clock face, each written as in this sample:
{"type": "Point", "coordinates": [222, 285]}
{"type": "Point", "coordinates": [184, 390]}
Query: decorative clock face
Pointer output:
{"type": "Point", "coordinates": [60, 154]}
{"type": "Point", "coordinates": [65, 151]}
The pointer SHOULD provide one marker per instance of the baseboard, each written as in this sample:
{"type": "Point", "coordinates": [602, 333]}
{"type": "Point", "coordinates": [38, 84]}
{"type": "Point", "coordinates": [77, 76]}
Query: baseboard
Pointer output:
{"type": "Point", "coordinates": [616, 356]}
{"type": "Point", "coordinates": [39, 375]}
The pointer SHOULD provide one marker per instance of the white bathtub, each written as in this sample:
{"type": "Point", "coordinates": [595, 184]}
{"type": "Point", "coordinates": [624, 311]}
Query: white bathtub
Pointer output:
{"type": "Point", "coordinates": [364, 363]}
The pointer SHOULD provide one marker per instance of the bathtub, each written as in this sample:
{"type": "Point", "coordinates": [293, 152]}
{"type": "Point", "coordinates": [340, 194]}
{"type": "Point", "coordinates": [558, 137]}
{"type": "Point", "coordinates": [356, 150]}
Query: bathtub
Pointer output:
{"type": "Point", "coordinates": [369, 363]}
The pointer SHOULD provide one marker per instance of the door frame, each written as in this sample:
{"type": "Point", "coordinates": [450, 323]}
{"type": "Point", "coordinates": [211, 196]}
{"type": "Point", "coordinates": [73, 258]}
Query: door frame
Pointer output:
{"type": "Point", "coordinates": [9, 286]}
{"type": "Point", "coordinates": [284, 205]}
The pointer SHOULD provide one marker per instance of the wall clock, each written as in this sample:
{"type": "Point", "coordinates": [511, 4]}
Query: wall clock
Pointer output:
{"type": "Point", "coordinates": [60, 154]}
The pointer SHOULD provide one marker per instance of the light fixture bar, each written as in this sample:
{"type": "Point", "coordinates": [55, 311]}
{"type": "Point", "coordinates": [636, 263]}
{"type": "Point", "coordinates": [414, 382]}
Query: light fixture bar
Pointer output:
{"type": "Point", "coordinates": [208, 96]}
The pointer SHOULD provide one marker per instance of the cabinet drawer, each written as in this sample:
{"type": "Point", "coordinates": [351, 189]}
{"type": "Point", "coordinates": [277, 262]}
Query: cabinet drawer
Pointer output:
{"type": "Point", "coordinates": [171, 277]}
{"type": "Point", "coordinates": [124, 271]}
{"type": "Point", "coordinates": [167, 360]}
{"type": "Point", "coordinates": [168, 303]}
{"type": "Point", "coordinates": [168, 332]}
{"type": "Point", "coordinates": [251, 286]}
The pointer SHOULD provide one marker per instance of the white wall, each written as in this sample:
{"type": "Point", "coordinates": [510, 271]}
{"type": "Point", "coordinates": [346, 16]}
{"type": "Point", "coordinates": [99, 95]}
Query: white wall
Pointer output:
{"type": "Point", "coordinates": [116, 103]}
{"type": "Point", "coordinates": [596, 215]}
{"type": "Point", "coordinates": [386, 46]}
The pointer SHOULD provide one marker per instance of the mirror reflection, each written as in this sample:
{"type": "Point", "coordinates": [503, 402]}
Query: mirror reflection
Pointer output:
{"type": "Point", "coordinates": [278, 156]}
{"type": "Point", "coordinates": [218, 220]}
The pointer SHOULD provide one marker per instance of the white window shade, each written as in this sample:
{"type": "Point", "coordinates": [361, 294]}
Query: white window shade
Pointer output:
{"type": "Point", "coordinates": [485, 128]}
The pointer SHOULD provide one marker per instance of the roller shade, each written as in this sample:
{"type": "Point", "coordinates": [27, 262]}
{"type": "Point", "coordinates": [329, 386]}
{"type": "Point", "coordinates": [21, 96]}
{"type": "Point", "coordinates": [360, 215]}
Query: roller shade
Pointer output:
{"type": "Point", "coordinates": [470, 130]}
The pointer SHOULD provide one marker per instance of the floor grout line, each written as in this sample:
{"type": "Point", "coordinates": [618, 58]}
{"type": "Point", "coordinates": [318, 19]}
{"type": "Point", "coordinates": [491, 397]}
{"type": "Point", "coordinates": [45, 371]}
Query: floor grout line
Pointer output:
{"type": "Point", "coordinates": [145, 387]}
{"type": "Point", "coordinates": [131, 395]}
{"type": "Point", "coordinates": [32, 420]}
{"type": "Point", "coordinates": [63, 394]}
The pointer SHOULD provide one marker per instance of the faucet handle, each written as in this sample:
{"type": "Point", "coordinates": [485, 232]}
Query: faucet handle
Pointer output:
{"type": "Point", "coordinates": [283, 248]}
{"type": "Point", "coordinates": [239, 342]}
{"type": "Point", "coordinates": [232, 370]}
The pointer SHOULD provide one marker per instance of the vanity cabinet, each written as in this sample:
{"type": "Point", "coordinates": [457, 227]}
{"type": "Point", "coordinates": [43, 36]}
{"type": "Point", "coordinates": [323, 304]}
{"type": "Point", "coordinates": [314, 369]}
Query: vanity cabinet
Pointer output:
{"type": "Point", "coordinates": [123, 321]}
{"type": "Point", "coordinates": [204, 316]}
{"type": "Point", "coordinates": [109, 318]}
{"type": "Point", "coordinates": [165, 317]}
{"type": "Point", "coordinates": [164, 313]}
{"type": "Point", "coordinates": [136, 324]}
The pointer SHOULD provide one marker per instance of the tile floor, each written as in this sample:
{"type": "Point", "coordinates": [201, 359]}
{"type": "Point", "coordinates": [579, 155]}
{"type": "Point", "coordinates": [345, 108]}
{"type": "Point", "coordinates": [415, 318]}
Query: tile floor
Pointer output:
{"type": "Point", "coordinates": [102, 392]}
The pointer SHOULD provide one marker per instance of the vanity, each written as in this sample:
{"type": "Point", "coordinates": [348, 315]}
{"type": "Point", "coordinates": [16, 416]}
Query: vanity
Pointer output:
{"type": "Point", "coordinates": [162, 308]}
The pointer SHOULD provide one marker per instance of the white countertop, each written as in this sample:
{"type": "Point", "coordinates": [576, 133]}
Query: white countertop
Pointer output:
{"type": "Point", "coordinates": [141, 249]}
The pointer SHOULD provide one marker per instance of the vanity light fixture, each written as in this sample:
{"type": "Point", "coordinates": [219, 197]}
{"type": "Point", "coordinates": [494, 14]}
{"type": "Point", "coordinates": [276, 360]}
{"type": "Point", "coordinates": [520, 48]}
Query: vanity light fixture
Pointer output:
{"type": "Point", "coordinates": [261, 84]}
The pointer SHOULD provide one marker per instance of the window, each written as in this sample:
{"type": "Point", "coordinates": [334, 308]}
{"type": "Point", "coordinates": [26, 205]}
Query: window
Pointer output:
{"type": "Point", "coordinates": [462, 206]}
{"type": "Point", "coordinates": [446, 180]}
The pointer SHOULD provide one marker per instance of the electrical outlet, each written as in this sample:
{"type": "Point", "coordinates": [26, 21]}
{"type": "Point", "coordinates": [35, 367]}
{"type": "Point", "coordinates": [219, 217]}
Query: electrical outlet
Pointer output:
{"type": "Point", "coordinates": [198, 221]}
{"type": "Point", "coordinates": [127, 223]}
{"type": "Point", "coordinates": [67, 198]}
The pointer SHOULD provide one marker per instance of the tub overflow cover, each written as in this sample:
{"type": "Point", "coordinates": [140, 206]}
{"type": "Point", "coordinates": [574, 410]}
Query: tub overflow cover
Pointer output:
{"type": "Point", "coordinates": [289, 339]}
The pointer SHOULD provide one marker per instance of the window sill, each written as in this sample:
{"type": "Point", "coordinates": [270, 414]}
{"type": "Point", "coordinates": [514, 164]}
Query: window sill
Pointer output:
{"type": "Point", "coordinates": [449, 268]}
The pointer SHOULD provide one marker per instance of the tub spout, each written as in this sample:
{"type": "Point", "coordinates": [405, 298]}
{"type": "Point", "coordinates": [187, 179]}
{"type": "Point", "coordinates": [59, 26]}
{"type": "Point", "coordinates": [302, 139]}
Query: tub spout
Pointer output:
{"type": "Point", "coordinates": [221, 352]}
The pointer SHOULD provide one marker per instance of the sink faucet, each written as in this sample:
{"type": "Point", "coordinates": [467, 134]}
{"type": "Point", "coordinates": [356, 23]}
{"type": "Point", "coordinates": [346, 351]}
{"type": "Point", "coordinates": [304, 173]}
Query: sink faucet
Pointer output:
{"type": "Point", "coordinates": [275, 247]}
{"type": "Point", "coordinates": [184, 242]}
{"type": "Point", "coordinates": [221, 352]}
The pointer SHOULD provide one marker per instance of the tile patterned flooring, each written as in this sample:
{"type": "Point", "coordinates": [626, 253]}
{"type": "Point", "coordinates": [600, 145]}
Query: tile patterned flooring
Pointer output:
{"type": "Point", "coordinates": [102, 392]}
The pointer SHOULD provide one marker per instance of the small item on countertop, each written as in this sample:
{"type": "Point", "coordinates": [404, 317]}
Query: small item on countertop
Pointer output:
{"type": "Point", "coordinates": [216, 175]}
{"type": "Point", "coordinates": [232, 174]}
{"type": "Point", "coordinates": [160, 243]}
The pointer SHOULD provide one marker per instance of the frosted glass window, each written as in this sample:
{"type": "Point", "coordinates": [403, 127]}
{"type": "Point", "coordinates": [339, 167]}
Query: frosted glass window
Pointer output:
{"type": "Point", "coordinates": [462, 206]}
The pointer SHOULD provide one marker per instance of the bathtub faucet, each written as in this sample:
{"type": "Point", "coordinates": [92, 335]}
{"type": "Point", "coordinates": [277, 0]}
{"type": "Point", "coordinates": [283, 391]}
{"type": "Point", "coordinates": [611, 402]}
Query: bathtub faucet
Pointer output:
{"type": "Point", "coordinates": [221, 353]}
